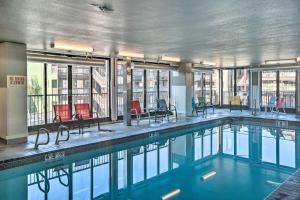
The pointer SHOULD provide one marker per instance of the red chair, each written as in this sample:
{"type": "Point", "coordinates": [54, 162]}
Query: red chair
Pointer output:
{"type": "Point", "coordinates": [85, 115]}
{"type": "Point", "coordinates": [63, 115]}
{"type": "Point", "coordinates": [280, 103]}
{"type": "Point", "coordinates": [138, 112]}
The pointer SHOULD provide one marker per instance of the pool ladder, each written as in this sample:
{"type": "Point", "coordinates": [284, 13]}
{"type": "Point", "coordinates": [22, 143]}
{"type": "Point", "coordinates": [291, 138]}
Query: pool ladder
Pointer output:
{"type": "Point", "coordinates": [60, 131]}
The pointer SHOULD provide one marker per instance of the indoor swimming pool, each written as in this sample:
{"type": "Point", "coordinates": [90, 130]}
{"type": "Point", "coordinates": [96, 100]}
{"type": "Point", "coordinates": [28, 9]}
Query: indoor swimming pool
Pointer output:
{"type": "Point", "coordinates": [229, 161]}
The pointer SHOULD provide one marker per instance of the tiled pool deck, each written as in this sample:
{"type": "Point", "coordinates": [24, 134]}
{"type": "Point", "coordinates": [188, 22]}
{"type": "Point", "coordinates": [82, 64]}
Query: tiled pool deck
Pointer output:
{"type": "Point", "coordinates": [289, 190]}
{"type": "Point", "coordinates": [18, 154]}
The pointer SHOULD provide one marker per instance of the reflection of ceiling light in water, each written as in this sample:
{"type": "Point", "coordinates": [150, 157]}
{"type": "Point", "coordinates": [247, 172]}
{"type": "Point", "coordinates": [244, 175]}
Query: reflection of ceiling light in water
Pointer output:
{"type": "Point", "coordinates": [171, 194]}
{"type": "Point", "coordinates": [208, 175]}
{"type": "Point", "coordinates": [274, 184]}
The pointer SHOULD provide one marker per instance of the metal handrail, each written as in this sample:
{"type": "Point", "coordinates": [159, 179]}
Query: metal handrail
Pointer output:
{"type": "Point", "coordinates": [60, 130]}
{"type": "Point", "coordinates": [36, 145]}
{"type": "Point", "coordinates": [47, 184]}
{"type": "Point", "coordinates": [65, 173]}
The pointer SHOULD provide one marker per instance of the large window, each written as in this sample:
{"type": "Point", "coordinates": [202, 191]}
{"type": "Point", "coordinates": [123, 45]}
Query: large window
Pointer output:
{"type": "Point", "coordinates": [287, 87]}
{"type": "Point", "coordinates": [268, 86]}
{"type": "Point", "coordinates": [228, 85]}
{"type": "Point", "coordinates": [81, 85]}
{"type": "Point", "coordinates": [215, 82]}
{"type": "Point", "coordinates": [59, 80]}
{"type": "Point", "coordinates": [151, 88]}
{"type": "Point", "coordinates": [36, 92]}
{"type": "Point", "coordinates": [198, 84]}
{"type": "Point", "coordinates": [164, 85]}
{"type": "Point", "coordinates": [138, 86]}
{"type": "Point", "coordinates": [281, 84]}
{"type": "Point", "coordinates": [120, 89]}
{"type": "Point", "coordinates": [207, 85]}
{"type": "Point", "coordinates": [101, 90]}
{"type": "Point", "coordinates": [150, 85]}
{"type": "Point", "coordinates": [235, 83]}
{"type": "Point", "coordinates": [242, 85]}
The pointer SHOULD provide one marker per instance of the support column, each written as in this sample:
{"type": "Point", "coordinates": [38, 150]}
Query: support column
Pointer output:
{"type": "Point", "coordinates": [13, 88]}
{"type": "Point", "coordinates": [182, 89]}
{"type": "Point", "coordinates": [127, 93]}
{"type": "Point", "coordinates": [297, 100]}
{"type": "Point", "coordinates": [114, 88]}
{"type": "Point", "coordinates": [255, 90]}
{"type": "Point", "coordinates": [113, 175]}
{"type": "Point", "coordinates": [297, 148]}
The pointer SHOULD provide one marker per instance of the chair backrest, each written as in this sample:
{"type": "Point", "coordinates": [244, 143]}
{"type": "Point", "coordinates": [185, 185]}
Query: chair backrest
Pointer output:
{"type": "Point", "coordinates": [201, 101]}
{"type": "Point", "coordinates": [280, 102]}
{"type": "Point", "coordinates": [235, 100]}
{"type": "Point", "coordinates": [162, 105]}
{"type": "Point", "coordinates": [135, 104]}
{"type": "Point", "coordinates": [63, 111]}
{"type": "Point", "coordinates": [83, 109]}
{"type": "Point", "coordinates": [193, 102]}
{"type": "Point", "coordinates": [272, 101]}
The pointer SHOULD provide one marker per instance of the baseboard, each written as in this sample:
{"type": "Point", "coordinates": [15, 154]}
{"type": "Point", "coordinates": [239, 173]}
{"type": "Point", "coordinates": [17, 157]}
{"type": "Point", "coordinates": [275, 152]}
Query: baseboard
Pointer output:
{"type": "Point", "coordinates": [13, 141]}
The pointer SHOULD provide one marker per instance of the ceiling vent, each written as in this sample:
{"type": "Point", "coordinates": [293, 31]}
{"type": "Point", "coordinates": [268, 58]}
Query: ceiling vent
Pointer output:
{"type": "Point", "coordinates": [103, 7]}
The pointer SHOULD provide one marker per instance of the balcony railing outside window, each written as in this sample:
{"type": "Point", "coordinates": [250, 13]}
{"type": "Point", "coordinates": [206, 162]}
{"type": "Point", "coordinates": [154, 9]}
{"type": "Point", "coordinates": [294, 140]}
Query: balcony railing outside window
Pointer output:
{"type": "Point", "coordinates": [57, 92]}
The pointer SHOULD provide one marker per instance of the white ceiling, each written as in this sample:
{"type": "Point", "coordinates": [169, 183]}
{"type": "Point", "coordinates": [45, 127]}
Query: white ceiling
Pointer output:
{"type": "Point", "coordinates": [229, 32]}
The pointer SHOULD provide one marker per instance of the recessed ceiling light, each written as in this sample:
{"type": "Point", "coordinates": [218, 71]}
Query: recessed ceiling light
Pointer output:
{"type": "Point", "coordinates": [298, 59]}
{"type": "Point", "coordinates": [170, 58]}
{"type": "Point", "coordinates": [130, 54]}
{"type": "Point", "coordinates": [208, 63]}
{"type": "Point", "coordinates": [281, 61]}
{"type": "Point", "coordinates": [72, 45]}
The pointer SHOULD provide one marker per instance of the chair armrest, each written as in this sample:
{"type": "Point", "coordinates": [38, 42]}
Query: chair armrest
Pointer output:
{"type": "Point", "coordinates": [172, 106]}
{"type": "Point", "coordinates": [134, 112]}
{"type": "Point", "coordinates": [77, 116]}
{"type": "Point", "coordinates": [56, 119]}
{"type": "Point", "coordinates": [149, 110]}
{"type": "Point", "coordinates": [97, 115]}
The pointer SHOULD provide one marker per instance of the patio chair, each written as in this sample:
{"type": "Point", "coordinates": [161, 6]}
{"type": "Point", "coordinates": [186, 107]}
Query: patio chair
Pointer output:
{"type": "Point", "coordinates": [163, 110]}
{"type": "Point", "coordinates": [138, 112]}
{"type": "Point", "coordinates": [202, 103]}
{"type": "Point", "coordinates": [235, 103]}
{"type": "Point", "coordinates": [272, 103]}
{"type": "Point", "coordinates": [63, 115]}
{"type": "Point", "coordinates": [85, 115]}
{"type": "Point", "coordinates": [197, 108]}
{"type": "Point", "coordinates": [280, 103]}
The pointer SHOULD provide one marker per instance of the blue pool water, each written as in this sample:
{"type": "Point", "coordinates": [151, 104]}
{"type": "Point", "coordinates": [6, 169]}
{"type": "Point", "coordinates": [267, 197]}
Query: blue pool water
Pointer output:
{"type": "Point", "coordinates": [239, 161]}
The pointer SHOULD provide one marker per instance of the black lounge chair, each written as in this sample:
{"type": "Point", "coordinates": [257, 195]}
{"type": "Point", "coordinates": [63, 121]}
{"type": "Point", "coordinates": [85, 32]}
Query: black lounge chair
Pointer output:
{"type": "Point", "coordinates": [163, 110]}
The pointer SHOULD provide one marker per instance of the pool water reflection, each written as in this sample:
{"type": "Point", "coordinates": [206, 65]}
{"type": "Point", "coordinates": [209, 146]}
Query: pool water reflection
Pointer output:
{"type": "Point", "coordinates": [244, 160]}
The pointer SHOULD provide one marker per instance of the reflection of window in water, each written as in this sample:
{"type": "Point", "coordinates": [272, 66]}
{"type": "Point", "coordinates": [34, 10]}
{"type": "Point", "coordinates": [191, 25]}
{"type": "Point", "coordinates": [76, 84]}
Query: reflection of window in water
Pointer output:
{"type": "Point", "coordinates": [243, 142]}
{"type": "Point", "coordinates": [228, 141]}
{"type": "Point", "coordinates": [287, 148]}
{"type": "Point", "coordinates": [138, 164]}
{"type": "Point", "coordinates": [268, 145]}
